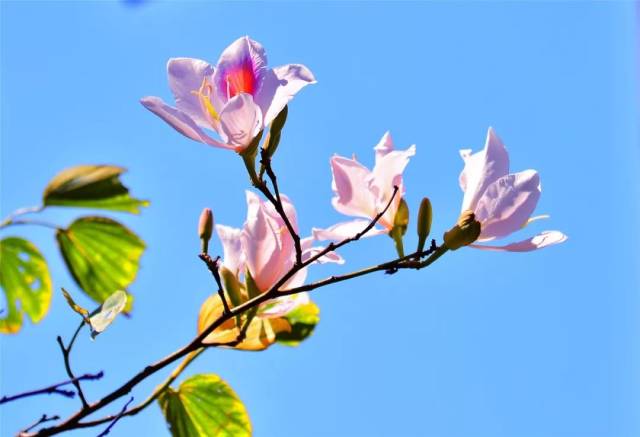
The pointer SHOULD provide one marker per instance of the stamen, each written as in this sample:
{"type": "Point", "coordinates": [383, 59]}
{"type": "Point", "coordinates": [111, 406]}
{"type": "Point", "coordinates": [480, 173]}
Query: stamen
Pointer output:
{"type": "Point", "coordinates": [204, 96]}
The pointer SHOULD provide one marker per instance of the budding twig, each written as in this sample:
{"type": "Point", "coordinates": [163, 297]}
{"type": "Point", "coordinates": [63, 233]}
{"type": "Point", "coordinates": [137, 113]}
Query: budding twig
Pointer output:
{"type": "Point", "coordinates": [44, 418]}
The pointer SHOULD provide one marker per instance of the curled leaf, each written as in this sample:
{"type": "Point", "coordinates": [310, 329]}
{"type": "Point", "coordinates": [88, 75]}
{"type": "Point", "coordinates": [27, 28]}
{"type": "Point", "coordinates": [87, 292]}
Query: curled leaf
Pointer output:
{"type": "Point", "coordinates": [91, 186]}
{"type": "Point", "coordinates": [108, 312]}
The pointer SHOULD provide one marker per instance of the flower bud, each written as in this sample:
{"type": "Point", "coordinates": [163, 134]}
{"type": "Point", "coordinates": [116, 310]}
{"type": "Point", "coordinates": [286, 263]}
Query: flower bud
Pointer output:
{"type": "Point", "coordinates": [232, 286]}
{"type": "Point", "coordinates": [425, 215]}
{"type": "Point", "coordinates": [465, 232]}
{"type": "Point", "coordinates": [401, 219]}
{"type": "Point", "coordinates": [205, 228]}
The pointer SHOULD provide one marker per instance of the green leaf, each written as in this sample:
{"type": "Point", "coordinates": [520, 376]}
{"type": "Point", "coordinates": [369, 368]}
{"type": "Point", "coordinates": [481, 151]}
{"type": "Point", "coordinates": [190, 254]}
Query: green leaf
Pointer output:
{"type": "Point", "coordinates": [102, 255]}
{"type": "Point", "coordinates": [24, 277]}
{"type": "Point", "coordinates": [204, 406]}
{"type": "Point", "coordinates": [91, 186]}
{"type": "Point", "coordinates": [303, 321]}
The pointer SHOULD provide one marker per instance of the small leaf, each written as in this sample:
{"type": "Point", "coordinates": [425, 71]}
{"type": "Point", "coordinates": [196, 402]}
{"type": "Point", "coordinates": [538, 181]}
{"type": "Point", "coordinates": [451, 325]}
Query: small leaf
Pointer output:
{"type": "Point", "coordinates": [24, 277]}
{"type": "Point", "coordinates": [204, 406]}
{"type": "Point", "coordinates": [303, 321]}
{"type": "Point", "coordinates": [91, 186]}
{"type": "Point", "coordinates": [108, 312]}
{"type": "Point", "coordinates": [102, 255]}
{"type": "Point", "coordinates": [74, 306]}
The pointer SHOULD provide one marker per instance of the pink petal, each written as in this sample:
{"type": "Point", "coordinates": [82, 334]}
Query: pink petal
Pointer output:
{"type": "Point", "coordinates": [180, 121]}
{"type": "Point", "coordinates": [289, 210]}
{"type": "Point", "coordinates": [344, 230]}
{"type": "Point", "coordinates": [186, 76]}
{"type": "Point", "coordinates": [240, 121]}
{"type": "Point", "coordinates": [542, 240]}
{"type": "Point", "coordinates": [507, 204]}
{"type": "Point", "coordinates": [283, 305]}
{"type": "Point", "coordinates": [384, 146]}
{"type": "Point", "coordinates": [240, 69]}
{"type": "Point", "coordinates": [351, 187]}
{"type": "Point", "coordinates": [261, 245]}
{"type": "Point", "coordinates": [386, 174]}
{"type": "Point", "coordinates": [482, 168]}
{"type": "Point", "coordinates": [279, 87]}
{"type": "Point", "coordinates": [233, 257]}
{"type": "Point", "coordinates": [308, 251]}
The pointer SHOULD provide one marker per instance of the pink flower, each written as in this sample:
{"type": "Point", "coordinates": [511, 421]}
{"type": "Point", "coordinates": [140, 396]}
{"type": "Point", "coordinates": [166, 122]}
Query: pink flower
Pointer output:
{"type": "Point", "coordinates": [265, 249]}
{"type": "Point", "coordinates": [360, 192]}
{"type": "Point", "coordinates": [236, 99]}
{"type": "Point", "coordinates": [502, 202]}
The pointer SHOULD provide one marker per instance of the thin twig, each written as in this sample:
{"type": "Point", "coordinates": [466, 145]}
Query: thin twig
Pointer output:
{"type": "Point", "coordinates": [115, 420]}
{"type": "Point", "coordinates": [212, 265]}
{"type": "Point", "coordinates": [53, 389]}
{"type": "Point", "coordinates": [66, 352]}
{"type": "Point", "coordinates": [44, 418]}
{"type": "Point", "coordinates": [265, 160]}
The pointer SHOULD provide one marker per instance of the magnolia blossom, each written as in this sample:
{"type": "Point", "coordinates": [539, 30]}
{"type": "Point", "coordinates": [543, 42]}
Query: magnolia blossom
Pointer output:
{"type": "Point", "coordinates": [502, 202]}
{"type": "Point", "coordinates": [236, 98]}
{"type": "Point", "coordinates": [266, 250]}
{"type": "Point", "coordinates": [360, 192]}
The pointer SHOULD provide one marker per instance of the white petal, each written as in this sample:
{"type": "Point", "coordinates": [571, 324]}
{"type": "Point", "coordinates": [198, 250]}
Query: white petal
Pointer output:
{"type": "Point", "coordinates": [542, 240]}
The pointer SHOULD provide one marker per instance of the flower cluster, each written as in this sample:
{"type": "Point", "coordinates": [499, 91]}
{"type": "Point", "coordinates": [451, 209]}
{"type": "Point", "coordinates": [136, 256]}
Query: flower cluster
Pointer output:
{"type": "Point", "coordinates": [240, 97]}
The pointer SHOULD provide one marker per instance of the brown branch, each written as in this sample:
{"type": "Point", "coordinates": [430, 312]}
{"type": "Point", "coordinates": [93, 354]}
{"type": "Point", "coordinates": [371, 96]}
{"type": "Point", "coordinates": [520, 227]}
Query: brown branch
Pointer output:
{"type": "Point", "coordinates": [53, 389]}
{"type": "Point", "coordinates": [212, 265]}
{"type": "Point", "coordinates": [44, 418]}
{"type": "Point", "coordinates": [66, 352]}
{"type": "Point", "coordinates": [265, 160]}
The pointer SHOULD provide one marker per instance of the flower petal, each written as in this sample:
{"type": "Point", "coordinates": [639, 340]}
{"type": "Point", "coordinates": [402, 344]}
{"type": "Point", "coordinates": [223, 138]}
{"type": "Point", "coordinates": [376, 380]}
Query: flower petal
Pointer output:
{"type": "Point", "coordinates": [340, 231]}
{"type": "Point", "coordinates": [507, 204]}
{"type": "Point", "coordinates": [279, 87]}
{"type": "Point", "coordinates": [240, 69]}
{"type": "Point", "coordinates": [386, 174]}
{"type": "Point", "coordinates": [308, 251]}
{"type": "Point", "coordinates": [482, 168]}
{"type": "Point", "coordinates": [180, 121]}
{"type": "Point", "coordinates": [281, 306]}
{"type": "Point", "coordinates": [542, 240]}
{"type": "Point", "coordinates": [384, 146]}
{"type": "Point", "coordinates": [233, 257]}
{"type": "Point", "coordinates": [351, 187]}
{"type": "Point", "coordinates": [186, 76]}
{"type": "Point", "coordinates": [240, 121]}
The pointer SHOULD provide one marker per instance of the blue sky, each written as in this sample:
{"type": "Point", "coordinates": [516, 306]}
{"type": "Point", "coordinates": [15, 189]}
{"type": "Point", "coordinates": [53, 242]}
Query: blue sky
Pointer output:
{"type": "Point", "coordinates": [480, 344]}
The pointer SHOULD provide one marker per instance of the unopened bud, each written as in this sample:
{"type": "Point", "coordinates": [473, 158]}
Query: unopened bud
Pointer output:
{"type": "Point", "coordinates": [401, 219]}
{"type": "Point", "coordinates": [205, 228]}
{"type": "Point", "coordinates": [231, 286]}
{"type": "Point", "coordinates": [425, 216]}
{"type": "Point", "coordinates": [465, 232]}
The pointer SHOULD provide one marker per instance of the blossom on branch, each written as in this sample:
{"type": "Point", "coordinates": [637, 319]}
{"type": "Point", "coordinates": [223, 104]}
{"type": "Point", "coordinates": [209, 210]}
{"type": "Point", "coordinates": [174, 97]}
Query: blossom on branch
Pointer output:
{"type": "Point", "coordinates": [237, 98]}
{"type": "Point", "coordinates": [503, 202]}
{"type": "Point", "coordinates": [360, 192]}
{"type": "Point", "coordinates": [259, 255]}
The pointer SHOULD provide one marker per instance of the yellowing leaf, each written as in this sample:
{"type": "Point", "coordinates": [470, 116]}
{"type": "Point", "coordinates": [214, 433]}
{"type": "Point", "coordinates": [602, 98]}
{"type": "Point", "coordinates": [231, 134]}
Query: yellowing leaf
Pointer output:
{"type": "Point", "coordinates": [91, 186]}
{"type": "Point", "coordinates": [102, 255]}
{"type": "Point", "coordinates": [74, 306]}
{"type": "Point", "coordinates": [204, 406]}
{"type": "Point", "coordinates": [24, 277]}
{"type": "Point", "coordinates": [302, 321]}
{"type": "Point", "coordinates": [260, 334]}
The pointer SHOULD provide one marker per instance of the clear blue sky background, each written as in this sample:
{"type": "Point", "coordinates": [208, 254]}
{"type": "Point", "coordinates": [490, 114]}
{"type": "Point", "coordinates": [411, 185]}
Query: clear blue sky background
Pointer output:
{"type": "Point", "coordinates": [481, 344]}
